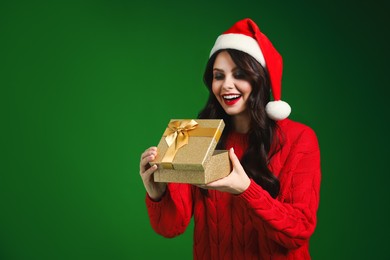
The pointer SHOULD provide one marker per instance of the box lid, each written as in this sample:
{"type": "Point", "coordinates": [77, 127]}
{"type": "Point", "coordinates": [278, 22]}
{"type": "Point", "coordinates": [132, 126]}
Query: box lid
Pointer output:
{"type": "Point", "coordinates": [202, 137]}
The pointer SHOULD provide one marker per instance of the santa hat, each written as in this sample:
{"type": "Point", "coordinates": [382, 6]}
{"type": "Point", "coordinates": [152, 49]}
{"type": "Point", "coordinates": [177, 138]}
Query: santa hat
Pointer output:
{"type": "Point", "coordinates": [246, 36]}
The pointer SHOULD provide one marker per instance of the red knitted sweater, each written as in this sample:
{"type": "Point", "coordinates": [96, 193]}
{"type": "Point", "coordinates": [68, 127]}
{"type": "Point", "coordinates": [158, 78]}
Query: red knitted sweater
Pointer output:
{"type": "Point", "coordinates": [251, 225]}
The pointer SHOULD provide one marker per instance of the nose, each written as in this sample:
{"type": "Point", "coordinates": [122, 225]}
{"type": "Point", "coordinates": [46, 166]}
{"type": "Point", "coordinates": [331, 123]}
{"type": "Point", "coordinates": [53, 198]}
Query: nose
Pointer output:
{"type": "Point", "coordinates": [228, 83]}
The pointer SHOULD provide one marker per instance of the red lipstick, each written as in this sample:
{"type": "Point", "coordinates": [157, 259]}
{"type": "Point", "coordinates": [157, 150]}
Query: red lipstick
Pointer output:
{"type": "Point", "coordinates": [231, 99]}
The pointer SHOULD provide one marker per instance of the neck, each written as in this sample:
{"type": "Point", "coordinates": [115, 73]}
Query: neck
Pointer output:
{"type": "Point", "coordinates": [241, 123]}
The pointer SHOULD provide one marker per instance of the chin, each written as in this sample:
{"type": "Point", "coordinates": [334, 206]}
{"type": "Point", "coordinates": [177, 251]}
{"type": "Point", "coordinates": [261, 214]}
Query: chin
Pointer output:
{"type": "Point", "coordinates": [232, 112]}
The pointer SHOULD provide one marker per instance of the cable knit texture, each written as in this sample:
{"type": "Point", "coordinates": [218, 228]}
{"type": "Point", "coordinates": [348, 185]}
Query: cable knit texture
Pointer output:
{"type": "Point", "coordinates": [251, 225]}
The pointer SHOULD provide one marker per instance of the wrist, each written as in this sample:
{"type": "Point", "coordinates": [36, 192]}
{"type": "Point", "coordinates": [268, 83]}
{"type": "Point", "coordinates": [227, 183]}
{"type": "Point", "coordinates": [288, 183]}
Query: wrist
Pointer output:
{"type": "Point", "coordinates": [245, 185]}
{"type": "Point", "coordinates": [157, 196]}
{"type": "Point", "coordinates": [154, 198]}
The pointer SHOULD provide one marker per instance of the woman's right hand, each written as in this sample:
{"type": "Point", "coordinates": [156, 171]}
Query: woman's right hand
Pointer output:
{"type": "Point", "coordinates": [155, 190]}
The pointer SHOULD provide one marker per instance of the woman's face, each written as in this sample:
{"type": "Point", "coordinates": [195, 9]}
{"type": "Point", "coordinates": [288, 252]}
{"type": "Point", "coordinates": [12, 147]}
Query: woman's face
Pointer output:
{"type": "Point", "coordinates": [229, 85]}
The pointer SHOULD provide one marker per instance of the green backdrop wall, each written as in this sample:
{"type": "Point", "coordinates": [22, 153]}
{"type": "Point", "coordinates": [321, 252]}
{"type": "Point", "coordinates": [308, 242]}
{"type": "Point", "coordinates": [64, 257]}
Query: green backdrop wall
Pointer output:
{"type": "Point", "coordinates": [86, 86]}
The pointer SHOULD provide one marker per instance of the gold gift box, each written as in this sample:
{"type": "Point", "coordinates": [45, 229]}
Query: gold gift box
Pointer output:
{"type": "Point", "coordinates": [196, 162]}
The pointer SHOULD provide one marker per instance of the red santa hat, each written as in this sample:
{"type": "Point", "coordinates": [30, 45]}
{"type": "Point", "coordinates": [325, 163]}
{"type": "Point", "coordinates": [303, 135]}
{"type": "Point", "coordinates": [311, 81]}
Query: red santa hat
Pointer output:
{"type": "Point", "coordinates": [246, 36]}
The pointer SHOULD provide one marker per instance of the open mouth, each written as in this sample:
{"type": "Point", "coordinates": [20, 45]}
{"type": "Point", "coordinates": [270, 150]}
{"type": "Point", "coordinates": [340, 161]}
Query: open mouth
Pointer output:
{"type": "Point", "coordinates": [231, 99]}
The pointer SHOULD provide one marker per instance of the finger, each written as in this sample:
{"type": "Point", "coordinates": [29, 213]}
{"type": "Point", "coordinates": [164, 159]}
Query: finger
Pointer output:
{"type": "Point", "coordinates": [233, 158]}
{"type": "Point", "coordinates": [151, 150]}
{"type": "Point", "coordinates": [144, 164]}
{"type": "Point", "coordinates": [147, 156]}
{"type": "Point", "coordinates": [146, 174]}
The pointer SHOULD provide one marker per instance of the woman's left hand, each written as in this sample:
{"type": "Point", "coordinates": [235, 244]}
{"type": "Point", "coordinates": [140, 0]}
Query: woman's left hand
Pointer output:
{"type": "Point", "coordinates": [236, 182]}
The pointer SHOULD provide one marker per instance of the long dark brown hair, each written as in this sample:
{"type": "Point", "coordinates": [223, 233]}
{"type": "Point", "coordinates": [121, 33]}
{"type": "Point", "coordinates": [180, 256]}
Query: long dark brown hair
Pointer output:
{"type": "Point", "coordinates": [262, 129]}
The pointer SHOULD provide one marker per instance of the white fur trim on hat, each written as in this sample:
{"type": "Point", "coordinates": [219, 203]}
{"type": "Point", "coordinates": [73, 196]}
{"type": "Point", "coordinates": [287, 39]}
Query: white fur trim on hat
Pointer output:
{"type": "Point", "coordinates": [239, 42]}
{"type": "Point", "coordinates": [278, 110]}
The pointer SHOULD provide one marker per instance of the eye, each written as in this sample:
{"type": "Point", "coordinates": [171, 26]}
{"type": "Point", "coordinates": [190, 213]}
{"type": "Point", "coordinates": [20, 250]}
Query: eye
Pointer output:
{"type": "Point", "coordinates": [218, 76]}
{"type": "Point", "coordinates": [239, 74]}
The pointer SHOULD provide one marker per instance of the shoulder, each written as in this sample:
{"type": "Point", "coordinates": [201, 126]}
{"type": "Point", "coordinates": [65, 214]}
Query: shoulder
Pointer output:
{"type": "Point", "coordinates": [296, 134]}
{"type": "Point", "coordinates": [293, 127]}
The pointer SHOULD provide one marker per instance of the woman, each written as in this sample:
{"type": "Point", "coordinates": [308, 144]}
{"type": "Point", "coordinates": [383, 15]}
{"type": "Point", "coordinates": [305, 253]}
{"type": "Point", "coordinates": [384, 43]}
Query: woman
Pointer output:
{"type": "Point", "coordinates": [266, 208]}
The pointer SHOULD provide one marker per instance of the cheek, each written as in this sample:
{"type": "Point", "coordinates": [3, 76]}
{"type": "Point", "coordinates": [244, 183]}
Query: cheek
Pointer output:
{"type": "Point", "coordinates": [215, 89]}
{"type": "Point", "coordinates": [246, 89]}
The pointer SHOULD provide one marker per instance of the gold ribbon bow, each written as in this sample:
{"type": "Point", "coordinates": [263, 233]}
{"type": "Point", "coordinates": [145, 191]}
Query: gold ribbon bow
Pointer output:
{"type": "Point", "coordinates": [177, 137]}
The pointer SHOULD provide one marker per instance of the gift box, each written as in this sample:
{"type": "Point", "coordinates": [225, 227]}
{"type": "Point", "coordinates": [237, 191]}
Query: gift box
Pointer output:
{"type": "Point", "coordinates": [186, 152]}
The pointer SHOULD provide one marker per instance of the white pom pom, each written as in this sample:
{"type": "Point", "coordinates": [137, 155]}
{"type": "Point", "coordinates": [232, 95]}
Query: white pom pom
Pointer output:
{"type": "Point", "coordinates": [278, 110]}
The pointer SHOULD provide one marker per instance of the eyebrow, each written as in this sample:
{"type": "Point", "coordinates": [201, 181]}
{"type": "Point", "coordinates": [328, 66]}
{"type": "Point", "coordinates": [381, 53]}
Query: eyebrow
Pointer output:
{"type": "Point", "coordinates": [221, 70]}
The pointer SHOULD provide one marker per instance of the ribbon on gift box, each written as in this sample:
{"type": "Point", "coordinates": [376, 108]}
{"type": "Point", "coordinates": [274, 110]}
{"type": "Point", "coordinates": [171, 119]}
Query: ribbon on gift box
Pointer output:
{"type": "Point", "coordinates": [177, 135]}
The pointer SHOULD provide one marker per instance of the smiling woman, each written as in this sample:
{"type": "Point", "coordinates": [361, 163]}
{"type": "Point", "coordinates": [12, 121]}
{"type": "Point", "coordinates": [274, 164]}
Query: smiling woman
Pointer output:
{"type": "Point", "coordinates": [230, 86]}
{"type": "Point", "coordinates": [266, 208]}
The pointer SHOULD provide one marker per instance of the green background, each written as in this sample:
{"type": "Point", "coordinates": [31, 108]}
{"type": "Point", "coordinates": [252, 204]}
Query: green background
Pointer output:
{"type": "Point", "coordinates": [86, 86]}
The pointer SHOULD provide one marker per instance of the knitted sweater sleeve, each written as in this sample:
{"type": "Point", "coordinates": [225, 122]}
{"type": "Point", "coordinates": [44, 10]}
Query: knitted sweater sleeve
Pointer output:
{"type": "Point", "coordinates": [290, 222]}
{"type": "Point", "coordinates": [171, 215]}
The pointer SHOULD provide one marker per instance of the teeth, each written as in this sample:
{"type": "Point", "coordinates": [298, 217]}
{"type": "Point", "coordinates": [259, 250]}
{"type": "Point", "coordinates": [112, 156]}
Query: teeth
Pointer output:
{"type": "Point", "coordinates": [231, 96]}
